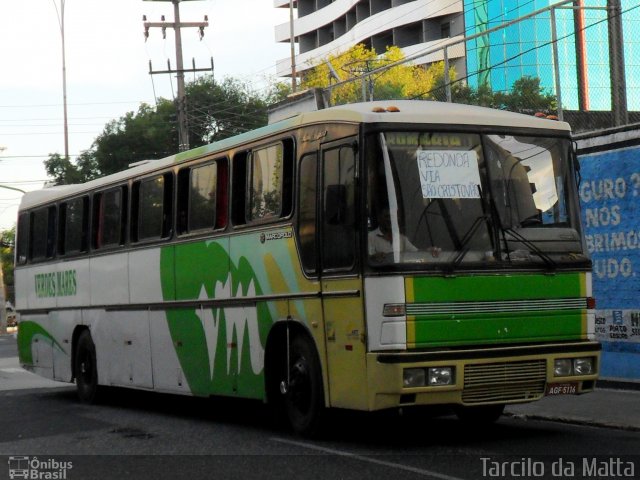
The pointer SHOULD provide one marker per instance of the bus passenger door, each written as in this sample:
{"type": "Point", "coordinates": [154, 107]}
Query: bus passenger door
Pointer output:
{"type": "Point", "coordinates": [342, 299]}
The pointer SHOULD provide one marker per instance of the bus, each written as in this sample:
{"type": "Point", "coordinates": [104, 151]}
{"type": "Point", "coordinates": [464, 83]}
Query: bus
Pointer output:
{"type": "Point", "coordinates": [372, 256]}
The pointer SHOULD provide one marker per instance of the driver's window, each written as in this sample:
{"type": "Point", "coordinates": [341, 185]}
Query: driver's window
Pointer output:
{"type": "Point", "coordinates": [338, 204]}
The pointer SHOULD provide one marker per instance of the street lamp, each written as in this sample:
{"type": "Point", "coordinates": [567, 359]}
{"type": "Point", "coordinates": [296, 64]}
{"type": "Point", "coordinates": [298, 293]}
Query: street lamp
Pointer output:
{"type": "Point", "coordinates": [60, 14]}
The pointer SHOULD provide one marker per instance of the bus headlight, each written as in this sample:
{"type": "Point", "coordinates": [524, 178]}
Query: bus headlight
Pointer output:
{"type": "Point", "coordinates": [583, 366]}
{"type": "Point", "coordinates": [429, 377]}
{"type": "Point", "coordinates": [562, 367]}
{"type": "Point", "coordinates": [440, 376]}
{"type": "Point", "coordinates": [413, 377]}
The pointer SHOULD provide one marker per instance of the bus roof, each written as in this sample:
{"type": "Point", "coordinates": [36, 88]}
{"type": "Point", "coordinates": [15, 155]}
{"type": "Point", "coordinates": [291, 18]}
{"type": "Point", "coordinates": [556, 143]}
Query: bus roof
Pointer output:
{"type": "Point", "coordinates": [389, 111]}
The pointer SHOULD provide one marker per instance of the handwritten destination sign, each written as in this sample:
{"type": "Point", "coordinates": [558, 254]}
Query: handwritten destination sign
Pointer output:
{"type": "Point", "coordinates": [449, 173]}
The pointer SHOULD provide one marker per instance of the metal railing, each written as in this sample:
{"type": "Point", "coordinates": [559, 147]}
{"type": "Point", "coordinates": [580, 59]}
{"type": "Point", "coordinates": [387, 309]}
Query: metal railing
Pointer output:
{"type": "Point", "coordinates": [578, 54]}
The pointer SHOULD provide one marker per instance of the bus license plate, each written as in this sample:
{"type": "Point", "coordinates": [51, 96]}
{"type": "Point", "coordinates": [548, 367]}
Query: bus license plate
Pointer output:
{"type": "Point", "coordinates": [562, 389]}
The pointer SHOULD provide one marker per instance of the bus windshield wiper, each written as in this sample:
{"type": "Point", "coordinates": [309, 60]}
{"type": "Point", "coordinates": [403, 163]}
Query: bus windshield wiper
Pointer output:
{"type": "Point", "coordinates": [532, 246]}
{"type": "Point", "coordinates": [464, 248]}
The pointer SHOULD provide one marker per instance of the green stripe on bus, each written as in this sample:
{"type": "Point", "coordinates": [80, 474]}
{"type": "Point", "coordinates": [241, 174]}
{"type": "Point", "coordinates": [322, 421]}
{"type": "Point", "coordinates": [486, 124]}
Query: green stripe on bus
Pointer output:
{"type": "Point", "coordinates": [498, 287]}
{"type": "Point", "coordinates": [477, 329]}
{"type": "Point", "coordinates": [469, 328]}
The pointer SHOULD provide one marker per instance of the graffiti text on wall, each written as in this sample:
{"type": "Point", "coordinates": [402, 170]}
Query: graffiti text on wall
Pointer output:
{"type": "Point", "coordinates": [609, 190]}
{"type": "Point", "coordinates": [618, 325]}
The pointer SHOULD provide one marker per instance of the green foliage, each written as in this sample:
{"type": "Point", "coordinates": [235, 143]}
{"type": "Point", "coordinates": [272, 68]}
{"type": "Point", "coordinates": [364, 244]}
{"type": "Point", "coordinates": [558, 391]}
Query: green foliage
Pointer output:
{"type": "Point", "coordinates": [278, 91]}
{"type": "Point", "coordinates": [144, 135]}
{"type": "Point", "coordinates": [61, 169]}
{"type": "Point", "coordinates": [7, 245]}
{"type": "Point", "coordinates": [222, 110]}
{"type": "Point", "coordinates": [216, 110]}
{"type": "Point", "coordinates": [526, 96]}
{"type": "Point", "coordinates": [400, 81]}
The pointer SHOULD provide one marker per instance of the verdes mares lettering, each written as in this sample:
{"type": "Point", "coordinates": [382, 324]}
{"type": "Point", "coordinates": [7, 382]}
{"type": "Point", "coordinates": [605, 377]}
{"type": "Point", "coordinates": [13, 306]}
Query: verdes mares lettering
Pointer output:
{"type": "Point", "coordinates": [56, 284]}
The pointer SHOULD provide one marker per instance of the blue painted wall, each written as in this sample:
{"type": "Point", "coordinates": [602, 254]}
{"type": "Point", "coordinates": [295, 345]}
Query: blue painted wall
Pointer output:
{"type": "Point", "coordinates": [610, 197]}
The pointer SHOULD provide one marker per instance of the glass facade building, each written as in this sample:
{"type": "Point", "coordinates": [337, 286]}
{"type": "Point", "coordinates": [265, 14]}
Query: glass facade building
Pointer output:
{"type": "Point", "coordinates": [525, 48]}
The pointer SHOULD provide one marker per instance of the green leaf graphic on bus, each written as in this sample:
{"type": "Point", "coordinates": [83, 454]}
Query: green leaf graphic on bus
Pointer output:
{"type": "Point", "coordinates": [221, 350]}
{"type": "Point", "coordinates": [27, 333]}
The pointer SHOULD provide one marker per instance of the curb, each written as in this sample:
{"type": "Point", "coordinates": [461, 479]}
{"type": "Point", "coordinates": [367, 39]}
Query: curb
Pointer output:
{"type": "Point", "coordinates": [572, 421]}
{"type": "Point", "coordinates": [618, 384]}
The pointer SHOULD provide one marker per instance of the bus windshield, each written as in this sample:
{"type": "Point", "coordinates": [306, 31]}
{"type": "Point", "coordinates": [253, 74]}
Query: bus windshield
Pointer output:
{"type": "Point", "coordinates": [465, 200]}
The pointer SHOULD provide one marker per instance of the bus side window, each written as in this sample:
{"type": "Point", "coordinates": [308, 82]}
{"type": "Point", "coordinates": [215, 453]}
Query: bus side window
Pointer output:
{"type": "Point", "coordinates": [74, 223]}
{"type": "Point", "coordinates": [307, 214]}
{"type": "Point", "coordinates": [151, 212]}
{"type": "Point", "coordinates": [109, 218]}
{"type": "Point", "coordinates": [43, 233]}
{"type": "Point", "coordinates": [265, 183]}
{"type": "Point", "coordinates": [202, 197]}
{"type": "Point", "coordinates": [22, 239]}
{"type": "Point", "coordinates": [262, 189]}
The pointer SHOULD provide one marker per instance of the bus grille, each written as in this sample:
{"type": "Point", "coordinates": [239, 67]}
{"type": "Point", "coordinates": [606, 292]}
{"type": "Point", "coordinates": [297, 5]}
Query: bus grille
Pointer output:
{"type": "Point", "coordinates": [502, 382]}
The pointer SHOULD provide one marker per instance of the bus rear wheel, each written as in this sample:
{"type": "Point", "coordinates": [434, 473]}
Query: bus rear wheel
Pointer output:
{"type": "Point", "coordinates": [304, 396]}
{"type": "Point", "coordinates": [86, 369]}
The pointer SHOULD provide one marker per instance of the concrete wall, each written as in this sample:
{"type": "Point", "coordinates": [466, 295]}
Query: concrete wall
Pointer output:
{"type": "Point", "coordinates": [610, 198]}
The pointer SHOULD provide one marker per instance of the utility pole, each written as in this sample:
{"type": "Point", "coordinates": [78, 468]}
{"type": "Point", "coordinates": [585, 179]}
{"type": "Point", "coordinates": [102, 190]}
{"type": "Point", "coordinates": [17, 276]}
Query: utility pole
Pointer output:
{"type": "Point", "coordinates": [60, 14]}
{"type": "Point", "coordinates": [581, 55]}
{"type": "Point", "coordinates": [177, 25]}
{"type": "Point", "coordinates": [616, 63]}
{"type": "Point", "coordinates": [293, 48]}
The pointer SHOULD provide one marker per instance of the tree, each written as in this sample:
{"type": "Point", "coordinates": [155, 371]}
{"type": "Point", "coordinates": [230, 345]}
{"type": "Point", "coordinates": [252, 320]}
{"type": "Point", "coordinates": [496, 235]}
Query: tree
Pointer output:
{"type": "Point", "coordinates": [64, 172]}
{"type": "Point", "coordinates": [526, 96]}
{"type": "Point", "coordinates": [7, 243]}
{"type": "Point", "coordinates": [222, 110]}
{"type": "Point", "coordinates": [400, 81]}
{"type": "Point", "coordinates": [216, 110]}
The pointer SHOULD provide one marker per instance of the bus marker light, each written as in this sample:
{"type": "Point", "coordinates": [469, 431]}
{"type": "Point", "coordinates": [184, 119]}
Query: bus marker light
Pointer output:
{"type": "Point", "coordinates": [393, 109]}
{"type": "Point", "coordinates": [394, 310]}
{"type": "Point", "coordinates": [440, 376]}
{"type": "Point", "coordinates": [591, 303]}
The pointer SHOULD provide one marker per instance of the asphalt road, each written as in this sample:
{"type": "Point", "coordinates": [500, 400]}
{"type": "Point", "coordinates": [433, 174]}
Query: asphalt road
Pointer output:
{"type": "Point", "coordinates": [151, 436]}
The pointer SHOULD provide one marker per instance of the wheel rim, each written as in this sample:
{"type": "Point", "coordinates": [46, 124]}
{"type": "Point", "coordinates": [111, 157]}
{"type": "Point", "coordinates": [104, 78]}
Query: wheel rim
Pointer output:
{"type": "Point", "coordinates": [86, 370]}
{"type": "Point", "coordinates": [300, 386]}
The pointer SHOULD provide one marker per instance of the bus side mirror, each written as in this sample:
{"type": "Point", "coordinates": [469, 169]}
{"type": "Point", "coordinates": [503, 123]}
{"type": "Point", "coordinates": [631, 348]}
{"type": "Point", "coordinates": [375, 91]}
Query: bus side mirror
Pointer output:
{"type": "Point", "coordinates": [335, 204]}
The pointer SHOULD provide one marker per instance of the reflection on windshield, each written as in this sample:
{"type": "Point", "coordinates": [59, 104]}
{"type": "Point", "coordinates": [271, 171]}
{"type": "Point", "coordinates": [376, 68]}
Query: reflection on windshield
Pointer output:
{"type": "Point", "coordinates": [464, 200]}
{"type": "Point", "coordinates": [528, 176]}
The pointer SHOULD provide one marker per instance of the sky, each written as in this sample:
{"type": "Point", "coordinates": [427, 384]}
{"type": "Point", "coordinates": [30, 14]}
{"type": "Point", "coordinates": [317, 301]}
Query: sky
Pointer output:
{"type": "Point", "coordinates": [107, 62]}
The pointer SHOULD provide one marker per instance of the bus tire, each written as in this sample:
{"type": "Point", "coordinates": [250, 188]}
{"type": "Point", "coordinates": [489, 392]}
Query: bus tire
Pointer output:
{"type": "Point", "coordinates": [304, 398]}
{"type": "Point", "coordinates": [480, 415]}
{"type": "Point", "coordinates": [86, 369]}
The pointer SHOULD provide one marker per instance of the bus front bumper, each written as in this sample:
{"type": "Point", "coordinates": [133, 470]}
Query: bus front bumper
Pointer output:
{"type": "Point", "coordinates": [494, 375]}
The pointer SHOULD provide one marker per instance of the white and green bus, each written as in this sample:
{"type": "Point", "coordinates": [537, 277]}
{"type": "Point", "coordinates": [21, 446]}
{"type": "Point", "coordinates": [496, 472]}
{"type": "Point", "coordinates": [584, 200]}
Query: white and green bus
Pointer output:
{"type": "Point", "coordinates": [365, 257]}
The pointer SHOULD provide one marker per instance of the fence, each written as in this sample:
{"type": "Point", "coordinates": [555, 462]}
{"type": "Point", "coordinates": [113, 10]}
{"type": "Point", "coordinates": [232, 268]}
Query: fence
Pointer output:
{"type": "Point", "coordinates": [576, 59]}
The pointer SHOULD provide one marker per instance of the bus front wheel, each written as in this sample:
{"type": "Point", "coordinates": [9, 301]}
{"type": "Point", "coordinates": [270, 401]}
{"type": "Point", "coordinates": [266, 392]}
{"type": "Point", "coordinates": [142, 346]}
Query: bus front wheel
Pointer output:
{"type": "Point", "coordinates": [86, 368]}
{"type": "Point", "coordinates": [304, 397]}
